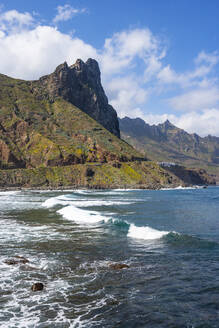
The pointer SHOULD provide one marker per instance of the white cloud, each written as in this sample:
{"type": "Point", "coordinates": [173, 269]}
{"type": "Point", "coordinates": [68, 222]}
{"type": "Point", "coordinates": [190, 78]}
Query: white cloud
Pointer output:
{"type": "Point", "coordinates": [121, 50]}
{"type": "Point", "coordinates": [119, 61]}
{"type": "Point", "coordinates": [202, 123]}
{"type": "Point", "coordinates": [210, 58]}
{"type": "Point", "coordinates": [66, 12]}
{"type": "Point", "coordinates": [33, 53]}
{"type": "Point", "coordinates": [196, 99]}
{"type": "Point", "coordinates": [204, 65]}
{"type": "Point", "coordinates": [126, 95]}
{"type": "Point", "coordinates": [14, 21]}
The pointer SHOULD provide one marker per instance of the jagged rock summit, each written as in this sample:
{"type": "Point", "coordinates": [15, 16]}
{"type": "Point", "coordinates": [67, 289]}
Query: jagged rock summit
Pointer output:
{"type": "Point", "coordinates": [80, 84]}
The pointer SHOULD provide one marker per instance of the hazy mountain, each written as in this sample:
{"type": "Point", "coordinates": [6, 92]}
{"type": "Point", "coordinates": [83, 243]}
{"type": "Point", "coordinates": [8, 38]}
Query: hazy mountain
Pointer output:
{"type": "Point", "coordinates": [166, 142]}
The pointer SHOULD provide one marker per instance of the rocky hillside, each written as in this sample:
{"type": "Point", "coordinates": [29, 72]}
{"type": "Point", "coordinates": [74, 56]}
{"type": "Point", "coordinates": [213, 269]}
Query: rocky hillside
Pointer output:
{"type": "Point", "coordinates": [166, 142]}
{"type": "Point", "coordinates": [79, 84]}
{"type": "Point", "coordinates": [61, 131]}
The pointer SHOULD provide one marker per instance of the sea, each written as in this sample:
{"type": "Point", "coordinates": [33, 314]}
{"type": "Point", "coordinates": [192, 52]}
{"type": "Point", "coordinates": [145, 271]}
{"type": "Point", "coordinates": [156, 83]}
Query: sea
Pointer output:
{"type": "Point", "coordinates": [168, 239]}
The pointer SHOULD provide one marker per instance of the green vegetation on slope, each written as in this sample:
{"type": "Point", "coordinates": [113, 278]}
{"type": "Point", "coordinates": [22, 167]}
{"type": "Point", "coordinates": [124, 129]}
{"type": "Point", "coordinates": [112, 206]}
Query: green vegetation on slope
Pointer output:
{"type": "Point", "coordinates": [39, 133]}
{"type": "Point", "coordinates": [52, 143]}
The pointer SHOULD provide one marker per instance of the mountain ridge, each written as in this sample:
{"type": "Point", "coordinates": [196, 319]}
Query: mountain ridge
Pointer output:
{"type": "Point", "coordinates": [165, 141]}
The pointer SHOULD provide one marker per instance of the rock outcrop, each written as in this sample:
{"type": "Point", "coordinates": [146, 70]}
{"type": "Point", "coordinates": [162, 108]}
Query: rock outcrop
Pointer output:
{"type": "Point", "coordinates": [37, 286]}
{"type": "Point", "coordinates": [80, 84]}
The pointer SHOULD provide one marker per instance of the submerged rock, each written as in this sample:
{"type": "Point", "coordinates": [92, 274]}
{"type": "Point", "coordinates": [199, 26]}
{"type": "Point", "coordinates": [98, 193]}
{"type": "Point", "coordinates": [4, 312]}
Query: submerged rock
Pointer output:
{"type": "Point", "coordinates": [118, 266]}
{"type": "Point", "coordinates": [37, 287]}
{"type": "Point", "coordinates": [17, 260]}
{"type": "Point", "coordinates": [28, 268]}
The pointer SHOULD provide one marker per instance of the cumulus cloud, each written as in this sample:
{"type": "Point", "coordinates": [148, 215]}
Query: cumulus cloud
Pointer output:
{"type": "Point", "coordinates": [203, 123]}
{"type": "Point", "coordinates": [126, 95]}
{"type": "Point", "coordinates": [197, 99]}
{"type": "Point", "coordinates": [118, 59]}
{"type": "Point", "coordinates": [66, 12]}
{"type": "Point", "coordinates": [32, 53]}
{"type": "Point", "coordinates": [120, 50]}
{"type": "Point", "coordinates": [131, 63]}
{"type": "Point", "coordinates": [204, 63]}
{"type": "Point", "coordinates": [14, 21]}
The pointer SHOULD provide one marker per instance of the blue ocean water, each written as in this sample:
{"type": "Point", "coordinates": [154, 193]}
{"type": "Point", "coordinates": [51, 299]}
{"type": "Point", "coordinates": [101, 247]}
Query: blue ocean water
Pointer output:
{"type": "Point", "coordinates": [169, 239]}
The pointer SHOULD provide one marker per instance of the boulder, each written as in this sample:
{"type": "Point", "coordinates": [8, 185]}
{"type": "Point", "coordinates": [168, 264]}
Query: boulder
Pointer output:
{"type": "Point", "coordinates": [17, 260]}
{"type": "Point", "coordinates": [37, 286]}
{"type": "Point", "coordinates": [118, 266]}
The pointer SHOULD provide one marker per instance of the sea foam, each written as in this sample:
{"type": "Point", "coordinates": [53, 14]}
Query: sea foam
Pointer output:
{"type": "Point", "coordinates": [146, 233]}
{"type": "Point", "coordinates": [66, 200]}
{"type": "Point", "coordinates": [77, 215]}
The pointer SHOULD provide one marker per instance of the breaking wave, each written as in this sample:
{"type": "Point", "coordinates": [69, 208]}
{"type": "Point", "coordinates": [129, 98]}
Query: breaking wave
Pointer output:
{"type": "Point", "coordinates": [78, 215]}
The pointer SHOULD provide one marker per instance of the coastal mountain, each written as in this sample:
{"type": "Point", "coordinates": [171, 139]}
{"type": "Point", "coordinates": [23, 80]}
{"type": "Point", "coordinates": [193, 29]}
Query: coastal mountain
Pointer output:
{"type": "Point", "coordinates": [79, 84]}
{"type": "Point", "coordinates": [42, 125]}
{"type": "Point", "coordinates": [166, 142]}
{"type": "Point", "coordinates": [61, 131]}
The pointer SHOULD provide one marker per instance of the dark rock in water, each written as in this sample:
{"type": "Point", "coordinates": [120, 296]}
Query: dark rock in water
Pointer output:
{"type": "Point", "coordinates": [28, 268]}
{"type": "Point", "coordinates": [17, 260]}
{"type": "Point", "coordinates": [37, 287]}
{"type": "Point", "coordinates": [118, 266]}
{"type": "Point", "coordinates": [22, 259]}
{"type": "Point", "coordinates": [11, 262]}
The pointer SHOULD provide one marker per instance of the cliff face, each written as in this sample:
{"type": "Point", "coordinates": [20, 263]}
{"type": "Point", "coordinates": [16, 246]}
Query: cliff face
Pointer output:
{"type": "Point", "coordinates": [80, 84]}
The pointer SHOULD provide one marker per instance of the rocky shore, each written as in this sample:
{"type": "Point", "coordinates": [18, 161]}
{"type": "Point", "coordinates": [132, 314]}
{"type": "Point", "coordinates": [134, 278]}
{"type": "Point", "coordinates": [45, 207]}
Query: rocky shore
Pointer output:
{"type": "Point", "coordinates": [134, 175]}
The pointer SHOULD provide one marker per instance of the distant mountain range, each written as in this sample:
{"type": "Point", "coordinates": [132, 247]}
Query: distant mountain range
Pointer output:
{"type": "Point", "coordinates": [166, 142]}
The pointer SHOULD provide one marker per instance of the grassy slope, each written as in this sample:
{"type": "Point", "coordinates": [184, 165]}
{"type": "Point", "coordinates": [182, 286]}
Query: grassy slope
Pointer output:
{"type": "Point", "coordinates": [129, 175]}
{"type": "Point", "coordinates": [36, 134]}
{"type": "Point", "coordinates": [39, 133]}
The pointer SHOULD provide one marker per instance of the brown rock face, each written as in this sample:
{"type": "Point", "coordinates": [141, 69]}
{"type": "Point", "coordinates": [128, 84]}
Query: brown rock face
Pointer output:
{"type": "Point", "coordinates": [16, 260]}
{"type": "Point", "coordinates": [118, 266]}
{"type": "Point", "coordinates": [80, 84]}
{"type": "Point", "coordinates": [37, 287]}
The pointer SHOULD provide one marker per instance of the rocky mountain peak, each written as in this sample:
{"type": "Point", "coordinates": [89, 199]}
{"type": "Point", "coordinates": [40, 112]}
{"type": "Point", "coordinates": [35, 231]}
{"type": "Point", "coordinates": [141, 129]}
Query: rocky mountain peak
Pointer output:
{"type": "Point", "coordinates": [80, 84]}
{"type": "Point", "coordinates": [62, 67]}
{"type": "Point", "coordinates": [167, 125]}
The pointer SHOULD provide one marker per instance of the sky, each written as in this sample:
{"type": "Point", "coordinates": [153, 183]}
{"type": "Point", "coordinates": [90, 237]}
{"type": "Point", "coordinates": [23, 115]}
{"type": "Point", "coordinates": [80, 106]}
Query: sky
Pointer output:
{"type": "Point", "coordinates": [159, 59]}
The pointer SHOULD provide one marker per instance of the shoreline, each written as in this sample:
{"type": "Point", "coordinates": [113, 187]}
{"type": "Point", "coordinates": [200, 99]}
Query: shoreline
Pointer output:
{"type": "Point", "coordinates": [72, 188]}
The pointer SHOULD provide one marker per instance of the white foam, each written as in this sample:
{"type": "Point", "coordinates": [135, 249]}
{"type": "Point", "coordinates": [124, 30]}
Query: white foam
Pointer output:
{"type": "Point", "coordinates": [64, 200]}
{"type": "Point", "coordinates": [180, 188]}
{"type": "Point", "coordinates": [146, 233]}
{"type": "Point", "coordinates": [4, 193]}
{"type": "Point", "coordinates": [53, 201]}
{"type": "Point", "coordinates": [75, 214]}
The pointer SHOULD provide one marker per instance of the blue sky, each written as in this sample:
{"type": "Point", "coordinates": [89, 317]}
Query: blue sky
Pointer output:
{"type": "Point", "coordinates": [159, 59]}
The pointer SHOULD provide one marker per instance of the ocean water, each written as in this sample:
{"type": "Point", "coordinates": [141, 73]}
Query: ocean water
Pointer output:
{"type": "Point", "coordinates": [168, 238]}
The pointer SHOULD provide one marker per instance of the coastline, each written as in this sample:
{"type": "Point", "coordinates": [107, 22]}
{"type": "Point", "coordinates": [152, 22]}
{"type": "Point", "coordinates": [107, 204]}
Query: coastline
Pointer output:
{"type": "Point", "coordinates": [128, 188]}
{"type": "Point", "coordinates": [126, 175]}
